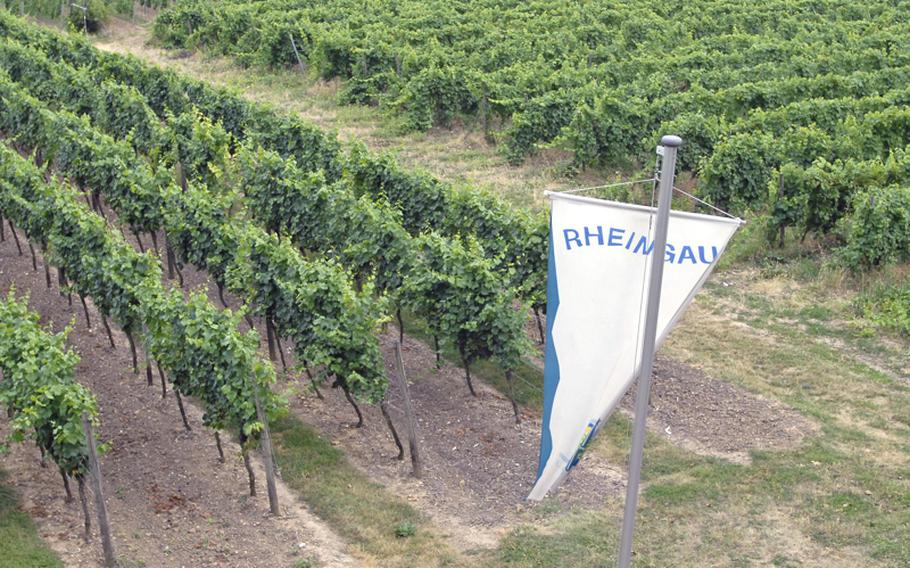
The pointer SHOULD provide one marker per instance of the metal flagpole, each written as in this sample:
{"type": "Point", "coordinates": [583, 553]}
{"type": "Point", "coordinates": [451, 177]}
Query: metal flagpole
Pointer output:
{"type": "Point", "coordinates": [669, 145]}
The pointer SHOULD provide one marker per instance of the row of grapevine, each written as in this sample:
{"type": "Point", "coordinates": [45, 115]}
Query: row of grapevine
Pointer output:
{"type": "Point", "coordinates": [619, 121]}
{"type": "Point", "coordinates": [46, 404]}
{"type": "Point", "coordinates": [479, 318]}
{"type": "Point", "coordinates": [449, 283]}
{"type": "Point", "coordinates": [762, 163]}
{"type": "Point", "coordinates": [39, 390]}
{"type": "Point", "coordinates": [197, 345]}
{"type": "Point", "coordinates": [878, 230]}
{"type": "Point", "coordinates": [703, 121]}
{"type": "Point", "coordinates": [515, 240]}
{"type": "Point", "coordinates": [86, 15]}
{"type": "Point", "coordinates": [815, 197]}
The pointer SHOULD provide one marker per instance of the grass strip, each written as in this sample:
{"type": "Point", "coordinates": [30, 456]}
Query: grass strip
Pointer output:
{"type": "Point", "coordinates": [20, 545]}
{"type": "Point", "coordinates": [381, 527]}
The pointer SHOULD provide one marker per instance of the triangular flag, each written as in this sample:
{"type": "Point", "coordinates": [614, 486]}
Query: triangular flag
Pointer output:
{"type": "Point", "coordinates": [599, 267]}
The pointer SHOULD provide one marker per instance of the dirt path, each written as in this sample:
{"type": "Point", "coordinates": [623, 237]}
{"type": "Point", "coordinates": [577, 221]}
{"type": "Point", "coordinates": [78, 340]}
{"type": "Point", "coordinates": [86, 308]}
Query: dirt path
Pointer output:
{"type": "Point", "coordinates": [171, 503]}
{"type": "Point", "coordinates": [714, 418]}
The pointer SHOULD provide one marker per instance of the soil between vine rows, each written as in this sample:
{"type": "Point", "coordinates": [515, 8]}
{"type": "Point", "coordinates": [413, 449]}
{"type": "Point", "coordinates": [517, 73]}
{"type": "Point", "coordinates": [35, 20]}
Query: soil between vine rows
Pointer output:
{"type": "Point", "coordinates": [170, 502]}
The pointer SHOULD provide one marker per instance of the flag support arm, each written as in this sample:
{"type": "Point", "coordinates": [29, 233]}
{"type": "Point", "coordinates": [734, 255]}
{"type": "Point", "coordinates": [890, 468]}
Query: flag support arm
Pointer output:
{"type": "Point", "coordinates": [670, 145]}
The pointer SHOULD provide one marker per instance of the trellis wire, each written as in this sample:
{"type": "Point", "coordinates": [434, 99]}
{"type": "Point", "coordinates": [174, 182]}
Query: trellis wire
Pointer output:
{"type": "Point", "coordinates": [606, 186]}
{"type": "Point", "coordinates": [646, 180]}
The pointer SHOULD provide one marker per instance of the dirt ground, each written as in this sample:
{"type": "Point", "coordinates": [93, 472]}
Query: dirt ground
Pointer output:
{"type": "Point", "coordinates": [170, 502]}
{"type": "Point", "coordinates": [714, 418]}
{"type": "Point", "coordinates": [479, 465]}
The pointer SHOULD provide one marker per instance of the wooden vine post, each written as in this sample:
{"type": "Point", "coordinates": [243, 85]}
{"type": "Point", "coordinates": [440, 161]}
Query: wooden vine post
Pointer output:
{"type": "Point", "coordinates": [266, 441]}
{"type": "Point", "coordinates": [297, 53]}
{"type": "Point", "coordinates": [100, 506]}
{"type": "Point", "coordinates": [409, 411]}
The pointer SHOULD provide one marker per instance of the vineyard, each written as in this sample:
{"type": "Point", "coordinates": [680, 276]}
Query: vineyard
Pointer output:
{"type": "Point", "coordinates": [238, 203]}
{"type": "Point", "coordinates": [257, 275]}
{"type": "Point", "coordinates": [598, 79]}
{"type": "Point", "coordinates": [775, 120]}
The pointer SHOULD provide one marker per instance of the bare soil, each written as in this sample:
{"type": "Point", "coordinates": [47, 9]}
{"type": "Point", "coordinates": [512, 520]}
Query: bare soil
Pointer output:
{"type": "Point", "coordinates": [714, 418]}
{"type": "Point", "coordinates": [170, 501]}
{"type": "Point", "coordinates": [479, 465]}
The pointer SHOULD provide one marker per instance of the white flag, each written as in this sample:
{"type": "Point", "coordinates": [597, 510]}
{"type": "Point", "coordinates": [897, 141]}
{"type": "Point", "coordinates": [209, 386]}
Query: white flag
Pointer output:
{"type": "Point", "coordinates": [599, 268]}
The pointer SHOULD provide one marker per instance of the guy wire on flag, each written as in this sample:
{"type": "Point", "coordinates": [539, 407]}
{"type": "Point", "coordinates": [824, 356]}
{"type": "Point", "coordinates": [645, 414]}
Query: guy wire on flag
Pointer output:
{"type": "Point", "coordinates": [653, 181]}
{"type": "Point", "coordinates": [705, 203]}
{"type": "Point", "coordinates": [607, 186]}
